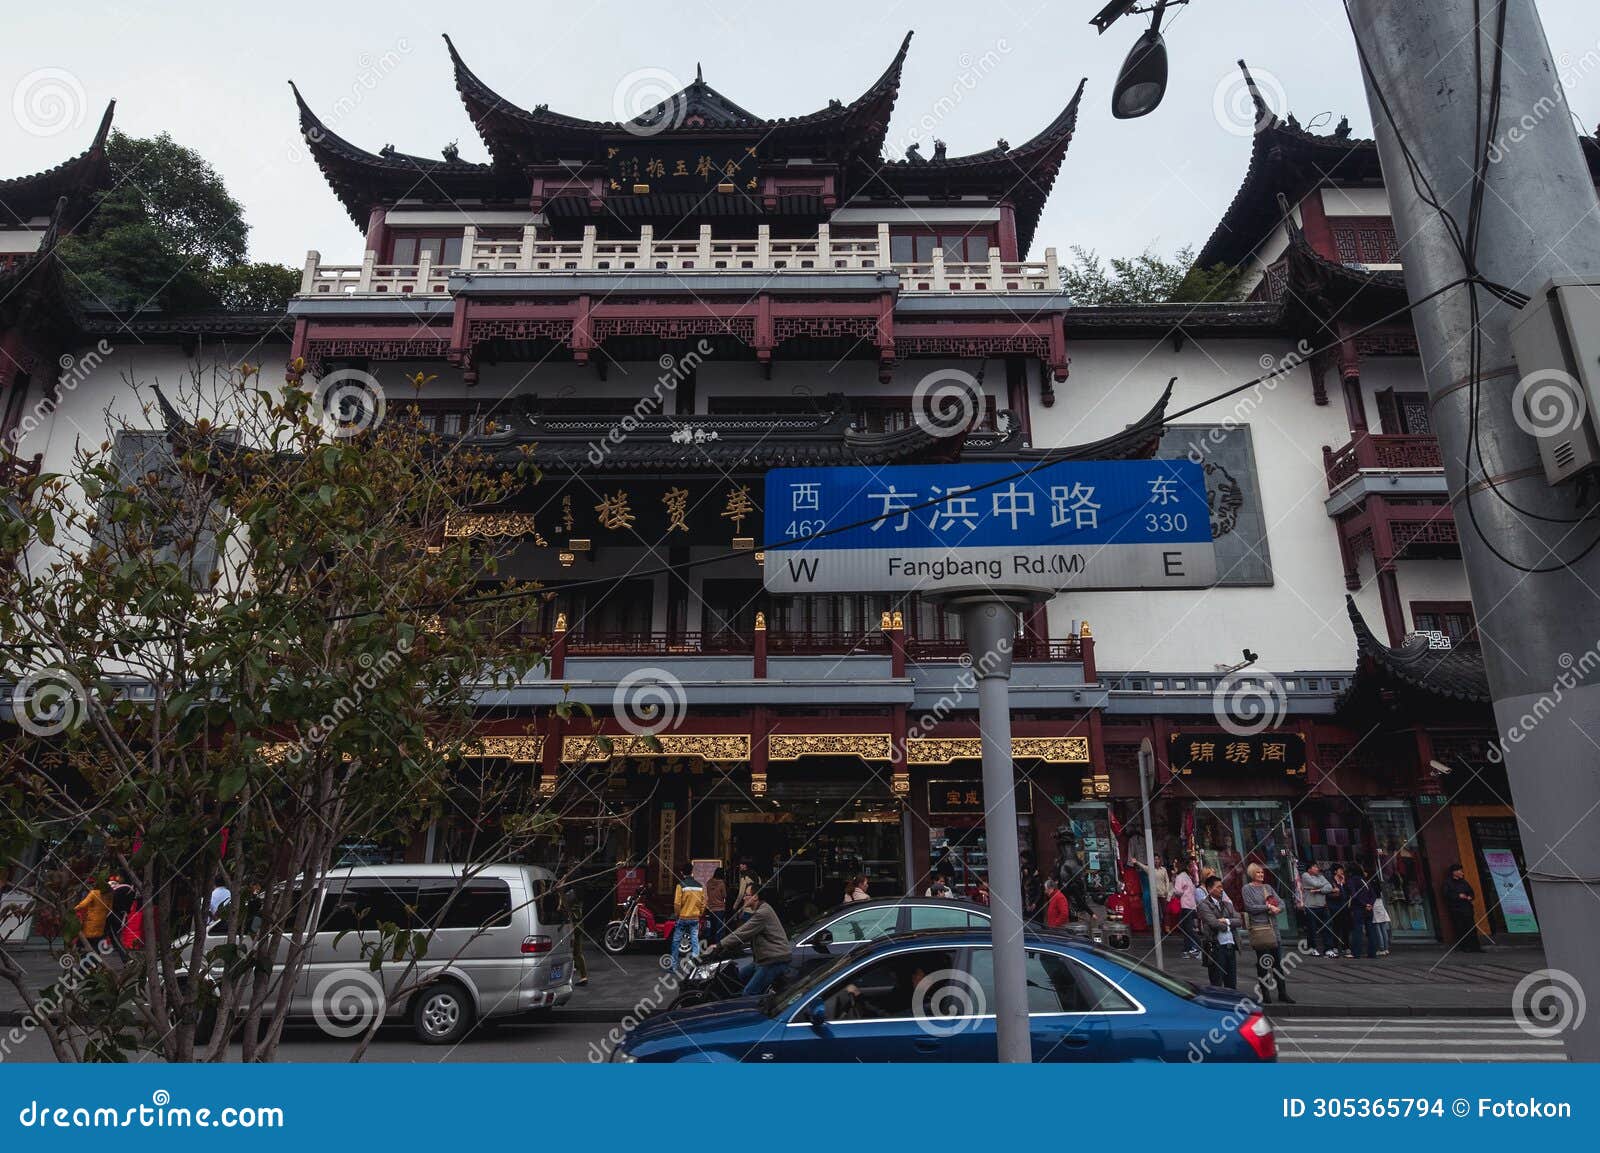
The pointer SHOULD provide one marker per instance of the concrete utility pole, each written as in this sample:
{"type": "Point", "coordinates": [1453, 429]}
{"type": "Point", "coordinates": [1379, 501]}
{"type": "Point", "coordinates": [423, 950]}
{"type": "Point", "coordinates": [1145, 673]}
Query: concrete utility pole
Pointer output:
{"type": "Point", "coordinates": [989, 624]}
{"type": "Point", "coordinates": [1539, 219]}
{"type": "Point", "coordinates": [1147, 772]}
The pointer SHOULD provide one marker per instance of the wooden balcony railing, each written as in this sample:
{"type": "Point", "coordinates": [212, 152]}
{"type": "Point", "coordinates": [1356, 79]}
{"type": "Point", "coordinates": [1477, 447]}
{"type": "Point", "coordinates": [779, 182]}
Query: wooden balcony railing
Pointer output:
{"type": "Point", "coordinates": [704, 254]}
{"type": "Point", "coordinates": [1367, 451]}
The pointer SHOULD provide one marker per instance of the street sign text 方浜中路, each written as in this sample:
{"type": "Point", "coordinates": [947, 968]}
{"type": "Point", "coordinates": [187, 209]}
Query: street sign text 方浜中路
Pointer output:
{"type": "Point", "coordinates": [1092, 524]}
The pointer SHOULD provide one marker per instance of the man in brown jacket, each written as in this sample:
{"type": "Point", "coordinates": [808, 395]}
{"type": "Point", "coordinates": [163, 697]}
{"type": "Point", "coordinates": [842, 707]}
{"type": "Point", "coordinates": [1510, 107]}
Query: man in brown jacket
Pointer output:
{"type": "Point", "coordinates": [768, 943]}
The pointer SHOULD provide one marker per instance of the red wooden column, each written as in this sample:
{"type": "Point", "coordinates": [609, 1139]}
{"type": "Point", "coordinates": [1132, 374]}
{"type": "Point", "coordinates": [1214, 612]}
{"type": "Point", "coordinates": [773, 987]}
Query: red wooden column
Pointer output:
{"type": "Point", "coordinates": [1314, 223]}
{"type": "Point", "coordinates": [885, 337]}
{"type": "Point", "coordinates": [558, 648]}
{"type": "Point", "coordinates": [760, 730]}
{"type": "Point", "coordinates": [1008, 233]}
{"type": "Point", "coordinates": [759, 667]}
{"type": "Point", "coordinates": [1394, 617]}
{"type": "Point", "coordinates": [1091, 675]}
{"type": "Point", "coordinates": [765, 339]}
{"type": "Point", "coordinates": [378, 232]}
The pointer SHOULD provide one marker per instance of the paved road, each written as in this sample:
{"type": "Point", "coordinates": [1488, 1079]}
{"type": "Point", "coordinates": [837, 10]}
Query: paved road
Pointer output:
{"type": "Point", "coordinates": [556, 1041]}
{"type": "Point", "coordinates": [1434, 1039]}
{"type": "Point", "coordinates": [1327, 1040]}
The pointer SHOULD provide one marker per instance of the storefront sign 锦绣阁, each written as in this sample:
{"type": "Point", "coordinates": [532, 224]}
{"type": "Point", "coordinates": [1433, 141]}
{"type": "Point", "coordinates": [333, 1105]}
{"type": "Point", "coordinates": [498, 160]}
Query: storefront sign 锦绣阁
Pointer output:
{"type": "Point", "coordinates": [1280, 752]}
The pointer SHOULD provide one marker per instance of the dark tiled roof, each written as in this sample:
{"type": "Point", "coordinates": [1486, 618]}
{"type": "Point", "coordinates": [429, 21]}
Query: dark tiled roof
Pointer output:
{"type": "Point", "coordinates": [1286, 160]}
{"type": "Point", "coordinates": [513, 133]}
{"type": "Point", "coordinates": [1136, 442]}
{"type": "Point", "coordinates": [362, 179]}
{"type": "Point", "coordinates": [1024, 175]}
{"type": "Point", "coordinates": [730, 443]}
{"type": "Point", "coordinates": [24, 197]}
{"type": "Point", "coordinates": [1417, 672]}
{"type": "Point", "coordinates": [1180, 319]}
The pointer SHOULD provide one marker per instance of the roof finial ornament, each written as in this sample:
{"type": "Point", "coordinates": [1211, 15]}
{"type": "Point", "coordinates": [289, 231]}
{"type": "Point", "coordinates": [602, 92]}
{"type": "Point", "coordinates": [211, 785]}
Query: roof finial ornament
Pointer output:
{"type": "Point", "coordinates": [914, 153]}
{"type": "Point", "coordinates": [1003, 144]}
{"type": "Point", "coordinates": [1265, 117]}
{"type": "Point", "coordinates": [1342, 132]}
{"type": "Point", "coordinates": [451, 152]}
{"type": "Point", "coordinates": [699, 77]}
{"type": "Point", "coordinates": [938, 148]}
{"type": "Point", "coordinates": [387, 150]}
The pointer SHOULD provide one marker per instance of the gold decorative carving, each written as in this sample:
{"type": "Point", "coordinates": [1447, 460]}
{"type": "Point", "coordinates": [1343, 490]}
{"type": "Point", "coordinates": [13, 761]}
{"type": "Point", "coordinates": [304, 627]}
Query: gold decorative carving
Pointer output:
{"type": "Point", "coordinates": [524, 750]}
{"type": "Point", "coordinates": [900, 784]}
{"type": "Point", "coordinates": [793, 746]}
{"type": "Point", "coordinates": [707, 746]}
{"type": "Point", "coordinates": [943, 750]}
{"type": "Point", "coordinates": [1056, 750]}
{"type": "Point", "coordinates": [758, 784]}
{"type": "Point", "coordinates": [492, 524]}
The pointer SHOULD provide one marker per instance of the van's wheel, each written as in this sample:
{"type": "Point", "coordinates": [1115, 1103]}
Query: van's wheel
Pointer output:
{"type": "Point", "coordinates": [616, 939]}
{"type": "Point", "coordinates": [442, 1013]}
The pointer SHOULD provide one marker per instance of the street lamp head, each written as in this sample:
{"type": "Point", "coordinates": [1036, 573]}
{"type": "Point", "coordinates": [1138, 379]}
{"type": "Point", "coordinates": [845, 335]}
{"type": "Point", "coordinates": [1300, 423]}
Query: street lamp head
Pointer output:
{"type": "Point", "coordinates": [1143, 80]}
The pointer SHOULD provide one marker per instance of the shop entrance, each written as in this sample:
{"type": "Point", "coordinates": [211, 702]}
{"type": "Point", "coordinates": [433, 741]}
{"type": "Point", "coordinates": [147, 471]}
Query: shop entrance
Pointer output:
{"type": "Point", "coordinates": [809, 844]}
{"type": "Point", "coordinates": [1228, 835]}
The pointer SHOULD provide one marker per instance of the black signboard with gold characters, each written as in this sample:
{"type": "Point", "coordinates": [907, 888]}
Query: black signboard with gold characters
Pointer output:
{"type": "Point", "coordinates": [1224, 752]}
{"type": "Point", "coordinates": [965, 798]}
{"type": "Point", "coordinates": [650, 164]}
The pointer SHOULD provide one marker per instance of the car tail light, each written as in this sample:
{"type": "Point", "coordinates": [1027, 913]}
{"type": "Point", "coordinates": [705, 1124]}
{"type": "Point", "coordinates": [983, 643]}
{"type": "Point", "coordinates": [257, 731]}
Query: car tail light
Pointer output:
{"type": "Point", "coordinates": [537, 944]}
{"type": "Point", "coordinates": [1258, 1034]}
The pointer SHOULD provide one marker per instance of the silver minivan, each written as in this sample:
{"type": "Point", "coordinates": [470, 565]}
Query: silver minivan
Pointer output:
{"type": "Point", "coordinates": [500, 946]}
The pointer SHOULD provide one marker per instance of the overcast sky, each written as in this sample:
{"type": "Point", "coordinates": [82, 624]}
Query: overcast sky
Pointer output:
{"type": "Point", "coordinates": [214, 75]}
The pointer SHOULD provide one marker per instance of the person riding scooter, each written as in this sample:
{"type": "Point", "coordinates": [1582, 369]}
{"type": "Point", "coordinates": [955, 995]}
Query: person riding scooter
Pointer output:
{"type": "Point", "coordinates": [763, 934]}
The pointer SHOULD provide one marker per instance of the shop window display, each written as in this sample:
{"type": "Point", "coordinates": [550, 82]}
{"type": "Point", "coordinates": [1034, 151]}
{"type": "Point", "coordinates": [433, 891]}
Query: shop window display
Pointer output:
{"type": "Point", "coordinates": [1383, 840]}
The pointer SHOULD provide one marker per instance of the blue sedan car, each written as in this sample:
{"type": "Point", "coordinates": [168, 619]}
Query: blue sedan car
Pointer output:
{"type": "Point", "coordinates": [931, 995]}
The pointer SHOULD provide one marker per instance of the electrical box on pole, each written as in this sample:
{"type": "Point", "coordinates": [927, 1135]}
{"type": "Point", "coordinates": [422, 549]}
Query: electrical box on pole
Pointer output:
{"type": "Point", "coordinates": [1556, 340]}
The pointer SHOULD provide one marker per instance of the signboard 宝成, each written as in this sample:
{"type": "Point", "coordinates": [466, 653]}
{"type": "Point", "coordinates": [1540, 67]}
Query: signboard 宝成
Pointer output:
{"type": "Point", "coordinates": [964, 798]}
{"type": "Point", "coordinates": [1090, 524]}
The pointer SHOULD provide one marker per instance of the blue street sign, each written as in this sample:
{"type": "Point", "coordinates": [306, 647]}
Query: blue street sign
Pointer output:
{"type": "Point", "coordinates": [1092, 524]}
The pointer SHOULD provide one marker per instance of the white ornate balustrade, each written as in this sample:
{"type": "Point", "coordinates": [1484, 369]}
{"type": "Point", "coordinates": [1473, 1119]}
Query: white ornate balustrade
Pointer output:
{"type": "Point", "coordinates": [703, 255]}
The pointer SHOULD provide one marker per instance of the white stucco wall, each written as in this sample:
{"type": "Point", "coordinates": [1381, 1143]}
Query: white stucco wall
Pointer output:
{"type": "Point", "coordinates": [1299, 622]}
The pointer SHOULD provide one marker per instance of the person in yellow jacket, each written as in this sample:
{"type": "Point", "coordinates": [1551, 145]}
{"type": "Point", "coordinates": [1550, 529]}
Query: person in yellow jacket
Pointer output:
{"type": "Point", "coordinates": [92, 913]}
{"type": "Point", "coordinates": [688, 906]}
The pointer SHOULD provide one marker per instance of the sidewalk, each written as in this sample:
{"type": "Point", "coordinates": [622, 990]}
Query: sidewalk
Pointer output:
{"type": "Point", "coordinates": [1415, 981]}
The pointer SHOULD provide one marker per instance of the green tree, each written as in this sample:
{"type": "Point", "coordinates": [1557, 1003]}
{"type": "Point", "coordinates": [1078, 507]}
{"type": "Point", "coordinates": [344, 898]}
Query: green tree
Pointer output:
{"type": "Point", "coordinates": [267, 645]}
{"type": "Point", "coordinates": [1146, 279]}
{"type": "Point", "coordinates": [168, 235]}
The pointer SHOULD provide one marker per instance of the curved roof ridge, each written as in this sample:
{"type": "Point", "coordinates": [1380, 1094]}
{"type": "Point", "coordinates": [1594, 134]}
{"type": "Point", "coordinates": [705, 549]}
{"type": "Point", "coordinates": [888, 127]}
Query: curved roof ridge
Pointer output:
{"type": "Point", "coordinates": [484, 105]}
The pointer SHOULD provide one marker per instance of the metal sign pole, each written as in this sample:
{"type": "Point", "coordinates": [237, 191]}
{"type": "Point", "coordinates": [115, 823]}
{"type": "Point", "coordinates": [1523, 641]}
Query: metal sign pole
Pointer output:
{"type": "Point", "coordinates": [1147, 764]}
{"type": "Point", "coordinates": [989, 624]}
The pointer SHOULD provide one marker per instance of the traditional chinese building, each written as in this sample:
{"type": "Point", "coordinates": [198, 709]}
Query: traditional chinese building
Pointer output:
{"type": "Point", "coordinates": [661, 310]}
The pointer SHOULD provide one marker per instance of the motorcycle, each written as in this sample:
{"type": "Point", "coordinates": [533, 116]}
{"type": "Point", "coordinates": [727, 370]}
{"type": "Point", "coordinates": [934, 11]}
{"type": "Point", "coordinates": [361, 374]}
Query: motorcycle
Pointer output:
{"type": "Point", "coordinates": [636, 924]}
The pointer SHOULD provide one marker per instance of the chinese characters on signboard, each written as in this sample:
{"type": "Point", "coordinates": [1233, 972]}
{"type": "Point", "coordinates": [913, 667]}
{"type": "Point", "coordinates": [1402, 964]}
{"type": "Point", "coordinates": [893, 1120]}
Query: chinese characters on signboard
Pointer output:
{"type": "Point", "coordinates": [965, 798]}
{"type": "Point", "coordinates": [668, 166]}
{"type": "Point", "coordinates": [1271, 751]}
{"type": "Point", "coordinates": [1072, 524]}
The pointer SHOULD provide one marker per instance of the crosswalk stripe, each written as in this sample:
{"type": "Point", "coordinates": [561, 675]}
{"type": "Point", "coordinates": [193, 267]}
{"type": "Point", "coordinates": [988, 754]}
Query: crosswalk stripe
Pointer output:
{"type": "Point", "coordinates": [1433, 1042]}
{"type": "Point", "coordinates": [1365, 1029]}
{"type": "Point", "coordinates": [1406, 1055]}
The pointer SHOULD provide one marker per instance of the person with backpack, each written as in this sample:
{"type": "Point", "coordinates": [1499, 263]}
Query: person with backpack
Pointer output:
{"type": "Point", "coordinates": [1360, 897]}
